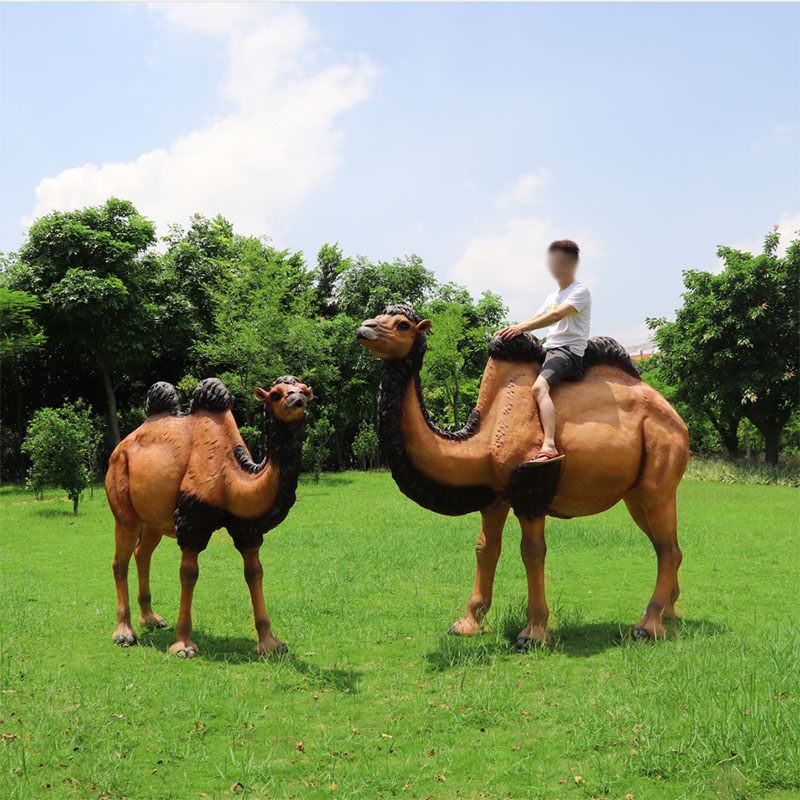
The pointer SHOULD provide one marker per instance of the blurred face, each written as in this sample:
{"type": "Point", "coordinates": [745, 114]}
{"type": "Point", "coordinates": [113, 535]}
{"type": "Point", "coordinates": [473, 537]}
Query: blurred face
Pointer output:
{"type": "Point", "coordinates": [562, 266]}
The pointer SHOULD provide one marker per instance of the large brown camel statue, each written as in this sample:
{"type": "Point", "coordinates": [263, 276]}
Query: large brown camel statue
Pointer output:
{"type": "Point", "coordinates": [621, 438]}
{"type": "Point", "coordinates": [185, 476]}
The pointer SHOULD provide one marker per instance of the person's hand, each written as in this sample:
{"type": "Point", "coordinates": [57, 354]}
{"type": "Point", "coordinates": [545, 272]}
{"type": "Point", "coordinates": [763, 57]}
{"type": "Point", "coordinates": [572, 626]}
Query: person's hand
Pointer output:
{"type": "Point", "coordinates": [509, 332]}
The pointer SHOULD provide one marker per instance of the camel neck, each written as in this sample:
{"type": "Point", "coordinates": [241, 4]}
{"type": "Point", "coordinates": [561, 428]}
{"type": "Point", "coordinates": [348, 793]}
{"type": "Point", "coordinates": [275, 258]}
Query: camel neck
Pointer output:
{"type": "Point", "coordinates": [269, 488]}
{"type": "Point", "coordinates": [439, 470]}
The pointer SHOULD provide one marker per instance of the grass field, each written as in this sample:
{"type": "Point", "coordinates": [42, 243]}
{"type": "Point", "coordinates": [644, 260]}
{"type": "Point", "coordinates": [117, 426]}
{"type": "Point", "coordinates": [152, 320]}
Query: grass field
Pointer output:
{"type": "Point", "coordinates": [375, 702]}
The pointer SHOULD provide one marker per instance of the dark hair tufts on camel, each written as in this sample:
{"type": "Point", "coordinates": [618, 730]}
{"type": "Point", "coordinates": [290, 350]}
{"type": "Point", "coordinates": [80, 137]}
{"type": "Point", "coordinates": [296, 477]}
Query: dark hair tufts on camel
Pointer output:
{"type": "Point", "coordinates": [162, 398]}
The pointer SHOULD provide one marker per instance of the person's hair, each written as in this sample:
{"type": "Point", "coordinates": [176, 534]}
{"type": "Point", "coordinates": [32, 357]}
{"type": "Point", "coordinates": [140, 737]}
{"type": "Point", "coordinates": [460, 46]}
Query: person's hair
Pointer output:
{"type": "Point", "coordinates": [566, 246]}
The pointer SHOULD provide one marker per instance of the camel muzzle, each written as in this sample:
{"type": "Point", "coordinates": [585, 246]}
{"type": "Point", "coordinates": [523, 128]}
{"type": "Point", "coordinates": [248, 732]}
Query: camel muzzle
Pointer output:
{"type": "Point", "coordinates": [367, 331]}
{"type": "Point", "coordinates": [296, 400]}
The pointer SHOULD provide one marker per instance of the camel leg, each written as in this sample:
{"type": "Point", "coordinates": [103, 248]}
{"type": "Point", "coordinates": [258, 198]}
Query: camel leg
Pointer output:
{"type": "Point", "coordinates": [125, 541]}
{"type": "Point", "coordinates": [253, 575]}
{"type": "Point", "coordinates": [148, 541]}
{"type": "Point", "coordinates": [533, 549]}
{"type": "Point", "coordinates": [660, 523]}
{"type": "Point", "coordinates": [487, 552]}
{"type": "Point", "coordinates": [640, 518]}
{"type": "Point", "coordinates": [184, 647]}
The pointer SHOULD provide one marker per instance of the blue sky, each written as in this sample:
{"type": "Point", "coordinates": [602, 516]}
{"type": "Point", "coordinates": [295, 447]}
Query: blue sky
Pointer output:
{"type": "Point", "coordinates": [470, 134]}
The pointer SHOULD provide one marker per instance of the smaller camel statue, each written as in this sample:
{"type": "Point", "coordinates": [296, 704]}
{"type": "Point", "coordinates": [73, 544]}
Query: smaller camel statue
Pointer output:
{"type": "Point", "coordinates": [622, 440]}
{"type": "Point", "coordinates": [185, 476]}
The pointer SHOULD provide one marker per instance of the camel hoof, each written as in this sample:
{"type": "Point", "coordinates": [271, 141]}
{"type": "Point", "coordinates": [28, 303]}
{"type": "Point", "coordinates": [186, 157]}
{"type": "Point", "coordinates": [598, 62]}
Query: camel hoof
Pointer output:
{"type": "Point", "coordinates": [277, 648]}
{"type": "Point", "coordinates": [125, 639]}
{"type": "Point", "coordinates": [155, 622]}
{"type": "Point", "coordinates": [451, 631]}
{"type": "Point", "coordinates": [186, 653]}
{"type": "Point", "coordinates": [642, 634]}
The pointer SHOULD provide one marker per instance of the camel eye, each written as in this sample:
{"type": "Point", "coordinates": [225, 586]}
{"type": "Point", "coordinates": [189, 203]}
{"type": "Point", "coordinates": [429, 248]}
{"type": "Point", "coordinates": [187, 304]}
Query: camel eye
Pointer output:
{"type": "Point", "coordinates": [275, 396]}
{"type": "Point", "coordinates": [403, 326]}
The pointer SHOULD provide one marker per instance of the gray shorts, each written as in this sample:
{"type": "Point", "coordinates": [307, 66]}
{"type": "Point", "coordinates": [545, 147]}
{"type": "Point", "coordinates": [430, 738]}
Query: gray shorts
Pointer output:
{"type": "Point", "coordinates": [561, 364]}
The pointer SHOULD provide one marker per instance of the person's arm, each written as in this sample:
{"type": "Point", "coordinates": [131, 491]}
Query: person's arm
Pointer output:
{"type": "Point", "coordinates": [536, 321]}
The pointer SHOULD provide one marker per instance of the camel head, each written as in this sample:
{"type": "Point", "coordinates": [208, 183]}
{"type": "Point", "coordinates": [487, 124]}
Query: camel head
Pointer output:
{"type": "Point", "coordinates": [286, 399]}
{"type": "Point", "coordinates": [392, 334]}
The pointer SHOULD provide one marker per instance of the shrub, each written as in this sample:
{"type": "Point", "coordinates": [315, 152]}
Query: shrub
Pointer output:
{"type": "Point", "coordinates": [728, 471]}
{"type": "Point", "coordinates": [315, 447]}
{"type": "Point", "coordinates": [61, 444]}
{"type": "Point", "coordinates": [365, 446]}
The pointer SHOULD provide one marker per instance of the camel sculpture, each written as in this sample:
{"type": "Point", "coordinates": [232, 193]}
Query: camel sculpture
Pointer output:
{"type": "Point", "coordinates": [185, 476]}
{"type": "Point", "coordinates": [621, 438]}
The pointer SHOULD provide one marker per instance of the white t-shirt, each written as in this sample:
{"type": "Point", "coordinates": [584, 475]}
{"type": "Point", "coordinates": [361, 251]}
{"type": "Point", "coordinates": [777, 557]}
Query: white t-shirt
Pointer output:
{"type": "Point", "coordinates": [573, 330]}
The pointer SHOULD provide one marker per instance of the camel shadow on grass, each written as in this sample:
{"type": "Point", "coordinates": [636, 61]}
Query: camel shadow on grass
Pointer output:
{"type": "Point", "coordinates": [571, 636]}
{"type": "Point", "coordinates": [242, 650]}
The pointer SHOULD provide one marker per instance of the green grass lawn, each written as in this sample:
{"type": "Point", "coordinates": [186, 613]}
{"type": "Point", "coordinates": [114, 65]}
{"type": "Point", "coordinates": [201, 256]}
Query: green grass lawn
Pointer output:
{"type": "Point", "coordinates": [375, 701]}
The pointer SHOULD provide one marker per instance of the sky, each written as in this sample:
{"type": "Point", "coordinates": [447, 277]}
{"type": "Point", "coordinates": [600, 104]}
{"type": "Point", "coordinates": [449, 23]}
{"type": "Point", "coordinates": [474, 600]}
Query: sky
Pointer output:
{"type": "Point", "coordinates": [469, 134]}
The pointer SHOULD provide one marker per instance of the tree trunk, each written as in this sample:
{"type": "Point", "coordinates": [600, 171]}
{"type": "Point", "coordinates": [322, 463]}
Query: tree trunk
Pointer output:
{"type": "Point", "coordinates": [337, 446]}
{"type": "Point", "coordinates": [728, 430]}
{"type": "Point", "coordinates": [111, 398]}
{"type": "Point", "coordinates": [771, 425]}
{"type": "Point", "coordinates": [75, 505]}
{"type": "Point", "coordinates": [772, 445]}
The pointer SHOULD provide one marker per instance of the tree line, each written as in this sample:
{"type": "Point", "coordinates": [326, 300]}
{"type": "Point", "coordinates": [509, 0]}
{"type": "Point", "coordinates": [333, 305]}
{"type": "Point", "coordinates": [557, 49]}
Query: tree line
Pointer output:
{"type": "Point", "coordinates": [95, 308]}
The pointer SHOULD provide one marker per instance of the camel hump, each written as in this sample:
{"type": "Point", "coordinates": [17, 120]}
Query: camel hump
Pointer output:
{"type": "Point", "coordinates": [603, 350]}
{"type": "Point", "coordinates": [162, 398]}
{"type": "Point", "coordinates": [211, 395]}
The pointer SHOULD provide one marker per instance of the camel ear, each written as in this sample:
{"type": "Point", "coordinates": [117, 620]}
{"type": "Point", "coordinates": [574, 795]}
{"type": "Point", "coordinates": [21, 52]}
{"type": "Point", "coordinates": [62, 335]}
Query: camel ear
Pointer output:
{"type": "Point", "coordinates": [424, 326]}
{"type": "Point", "coordinates": [260, 394]}
{"type": "Point", "coordinates": [309, 393]}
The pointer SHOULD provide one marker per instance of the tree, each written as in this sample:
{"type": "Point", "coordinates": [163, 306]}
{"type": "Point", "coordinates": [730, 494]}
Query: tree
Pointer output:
{"type": "Point", "coordinates": [89, 269]}
{"type": "Point", "coordinates": [364, 288]}
{"type": "Point", "coordinates": [330, 265]}
{"type": "Point", "coordinates": [316, 446]}
{"type": "Point", "coordinates": [365, 445]}
{"type": "Point", "coordinates": [444, 364]}
{"type": "Point", "coordinates": [61, 444]}
{"type": "Point", "coordinates": [732, 348]}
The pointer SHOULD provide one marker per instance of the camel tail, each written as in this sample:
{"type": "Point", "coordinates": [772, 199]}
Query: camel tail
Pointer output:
{"type": "Point", "coordinates": [162, 398]}
{"type": "Point", "coordinates": [211, 395]}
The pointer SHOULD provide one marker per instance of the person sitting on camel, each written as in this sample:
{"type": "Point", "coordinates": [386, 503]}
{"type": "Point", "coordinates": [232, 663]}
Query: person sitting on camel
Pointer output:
{"type": "Point", "coordinates": [566, 315]}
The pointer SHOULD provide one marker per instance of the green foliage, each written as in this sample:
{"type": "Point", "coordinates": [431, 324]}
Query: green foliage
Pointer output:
{"type": "Point", "coordinates": [61, 443]}
{"type": "Point", "coordinates": [365, 445]}
{"type": "Point", "coordinates": [316, 447]}
{"type": "Point", "coordinates": [19, 332]}
{"type": "Point", "coordinates": [732, 349]}
{"type": "Point", "coordinates": [97, 288]}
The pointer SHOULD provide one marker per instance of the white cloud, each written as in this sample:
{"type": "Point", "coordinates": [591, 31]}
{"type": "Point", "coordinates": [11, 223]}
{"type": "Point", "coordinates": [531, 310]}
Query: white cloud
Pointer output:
{"type": "Point", "coordinates": [262, 158]}
{"type": "Point", "coordinates": [789, 228]}
{"type": "Point", "coordinates": [512, 263]}
{"type": "Point", "coordinates": [525, 189]}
